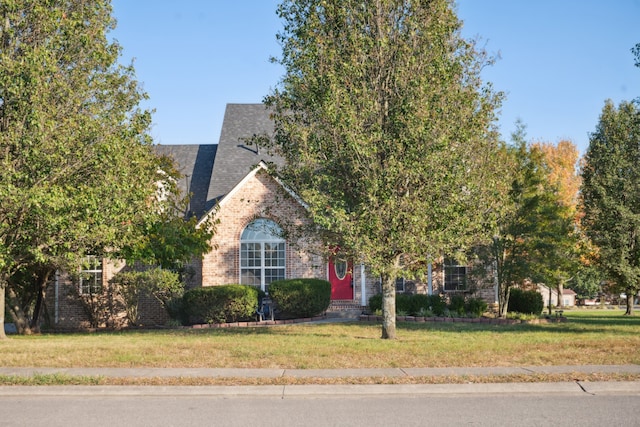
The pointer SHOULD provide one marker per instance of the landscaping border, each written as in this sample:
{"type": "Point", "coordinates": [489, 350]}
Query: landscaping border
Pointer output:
{"type": "Point", "coordinates": [375, 318]}
{"type": "Point", "coordinates": [483, 320]}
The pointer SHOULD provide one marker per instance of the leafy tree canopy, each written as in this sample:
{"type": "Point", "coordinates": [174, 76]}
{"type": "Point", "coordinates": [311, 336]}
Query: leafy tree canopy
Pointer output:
{"type": "Point", "coordinates": [611, 195]}
{"type": "Point", "coordinates": [77, 169]}
{"type": "Point", "coordinates": [388, 130]}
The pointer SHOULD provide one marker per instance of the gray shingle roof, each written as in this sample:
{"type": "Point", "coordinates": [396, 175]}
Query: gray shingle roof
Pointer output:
{"type": "Point", "coordinates": [235, 158]}
{"type": "Point", "coordinates": [195, 163]}
{"type": "Point", "coordinates": [211, 171]}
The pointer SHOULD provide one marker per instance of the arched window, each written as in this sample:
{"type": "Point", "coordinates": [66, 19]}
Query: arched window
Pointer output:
{"type": "Point", "coordinates": [262, 254]}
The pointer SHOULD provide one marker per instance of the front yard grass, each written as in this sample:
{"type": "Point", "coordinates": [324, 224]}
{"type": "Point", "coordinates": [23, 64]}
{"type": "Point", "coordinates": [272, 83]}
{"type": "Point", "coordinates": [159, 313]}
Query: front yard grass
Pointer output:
{"type": "Point", "coordinates": [589, 337]}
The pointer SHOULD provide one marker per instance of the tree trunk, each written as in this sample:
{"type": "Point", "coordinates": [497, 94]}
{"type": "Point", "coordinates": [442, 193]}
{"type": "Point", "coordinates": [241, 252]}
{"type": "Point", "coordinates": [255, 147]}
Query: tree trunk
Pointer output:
{"type": "Point", "coordinates": [560, 292]}
{"type": "Point", "coordinates": [43, 279]}
{"type": "Point", "coordinates": [503, 300]}
{"type": "Point", "coordinates": [19, 316]}
{"type": "Point", "coordinates": [2, 293]}
{"type": "Point", "coordinates": [388, 307]}
{"type": "Point", "coordinates": [630, 293]}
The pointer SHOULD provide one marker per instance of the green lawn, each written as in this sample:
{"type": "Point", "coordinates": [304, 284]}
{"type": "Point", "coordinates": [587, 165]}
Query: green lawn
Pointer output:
{"type": "Point", "coordinates": [589, 337]}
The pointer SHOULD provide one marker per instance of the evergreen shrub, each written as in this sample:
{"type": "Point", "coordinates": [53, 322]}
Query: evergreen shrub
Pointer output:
{"type": "Point", "coordinates": [219, 304]}
{"type": "Point", "coordinates": [476, 306]}
{"type": "Point", "coordinates": [526, 302]}
{"type": "Point", "coordinates": [420, 304]}
{"type": "Point", "coordinates": [296, 298]}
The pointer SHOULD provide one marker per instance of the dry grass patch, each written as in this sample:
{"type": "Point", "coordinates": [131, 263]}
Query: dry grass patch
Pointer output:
{"type": "Point", "coordinates": [589, 337]}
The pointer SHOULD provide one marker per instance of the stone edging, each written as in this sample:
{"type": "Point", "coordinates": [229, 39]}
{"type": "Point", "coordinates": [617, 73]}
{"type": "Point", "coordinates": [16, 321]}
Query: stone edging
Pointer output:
{"type": "Point", "coordinates": [253, 324]}
{"type": "Point", "coordinates": [374, 318]}
{"type": "Point", "coordinates": [483, 320]}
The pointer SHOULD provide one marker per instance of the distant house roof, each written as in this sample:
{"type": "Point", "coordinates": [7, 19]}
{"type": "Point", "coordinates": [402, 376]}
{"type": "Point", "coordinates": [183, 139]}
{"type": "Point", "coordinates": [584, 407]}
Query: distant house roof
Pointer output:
{"type": "Point", "coordinates": [211, 171]}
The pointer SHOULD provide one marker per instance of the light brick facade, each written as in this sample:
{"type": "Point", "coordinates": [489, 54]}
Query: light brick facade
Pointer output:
{"type": "Point", "coordinates": [67, 308]}
{"type": "Point", "coordinates": [259, 196]}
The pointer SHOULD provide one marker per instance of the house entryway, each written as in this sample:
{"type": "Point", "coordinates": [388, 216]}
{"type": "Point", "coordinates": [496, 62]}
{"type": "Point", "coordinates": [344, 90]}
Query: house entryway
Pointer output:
{"type": "Point", "coordinates": [341, 278]}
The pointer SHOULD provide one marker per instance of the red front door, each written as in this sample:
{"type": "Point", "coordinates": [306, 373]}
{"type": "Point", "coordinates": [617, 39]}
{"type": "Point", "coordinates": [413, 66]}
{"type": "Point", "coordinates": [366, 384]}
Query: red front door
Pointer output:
{"type": "Point", "coordinates": [340, 277]}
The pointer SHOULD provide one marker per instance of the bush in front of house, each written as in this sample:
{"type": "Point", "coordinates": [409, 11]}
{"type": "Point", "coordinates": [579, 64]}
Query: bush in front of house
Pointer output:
{"type": "Point", "coordinates": [163, 285]}
{"type": "Point", "coordinates": [413, 305]}
{"type": "Point", "coordinates": [476, 306]}
{"type": "Point", "coordinates": [220, 304]}
{"type": "Point", "coordinates": [296, 298]}
{"type": "Point", "coordinates": [431, 305]}
{"type": "Point", "coordinates": [526, 302]}
{"type": "Point", "coordinates": [375, 303]}
{"type": "Point", "coordinates": [404, 304]}
{"type": "Point", "coordinates": [457, 305]}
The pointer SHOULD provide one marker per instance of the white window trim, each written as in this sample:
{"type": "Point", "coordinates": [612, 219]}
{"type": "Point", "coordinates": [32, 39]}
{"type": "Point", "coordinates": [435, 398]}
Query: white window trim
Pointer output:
{"type": "Point", "coordinates": [92, 272]}
{"type": "Point", "coordinates": [262, 267]}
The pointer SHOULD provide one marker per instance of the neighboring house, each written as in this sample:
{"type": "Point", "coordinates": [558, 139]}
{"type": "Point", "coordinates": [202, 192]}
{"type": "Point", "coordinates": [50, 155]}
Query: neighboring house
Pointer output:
{"type": "Point", "coordinates": [231, 181]}
{"type": "Point", "coordinates": [568, 296]}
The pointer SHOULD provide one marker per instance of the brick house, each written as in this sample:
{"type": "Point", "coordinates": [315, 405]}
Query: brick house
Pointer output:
{"type": "Point", "coordinates": [231, 181]}
{"type": "Point", "coordinates": [237, 188]}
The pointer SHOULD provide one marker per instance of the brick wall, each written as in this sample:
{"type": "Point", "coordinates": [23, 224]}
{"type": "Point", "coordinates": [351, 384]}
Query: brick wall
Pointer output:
{"type": "Point", "coordinates": [261, 196]}
{"type": "Point", "coordinates": [66, 308]}
{"type": "Point", "coordinates": [480, 284]}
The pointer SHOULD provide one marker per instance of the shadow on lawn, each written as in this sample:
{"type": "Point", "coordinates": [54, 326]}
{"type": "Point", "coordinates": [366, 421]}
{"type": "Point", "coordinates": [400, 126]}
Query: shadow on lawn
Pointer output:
{"type": "Point", "coordinates": [578, 324]}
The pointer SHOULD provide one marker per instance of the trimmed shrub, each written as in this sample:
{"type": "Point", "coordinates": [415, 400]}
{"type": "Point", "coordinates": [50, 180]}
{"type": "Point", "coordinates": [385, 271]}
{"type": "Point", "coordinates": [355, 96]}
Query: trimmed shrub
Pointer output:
{"type": "Point", "coordinates": [457, 305]}
{"type": "Point", "coordinates": [375, 303]}
{"type": "Point", "coordinates": [437, 304]}
{"type": "Point", "coordinates": [300, 297]}
{"type": "Point", "coordinates": [527, 302]}
{"type": "Point", "coordinates": [476, 306]}
{"type": "Point", "coordinates": [414, 305]}
{"type": "Point", "coordinates": [219, 304]}
{"type": "Point", "coordinates": [404, 304]}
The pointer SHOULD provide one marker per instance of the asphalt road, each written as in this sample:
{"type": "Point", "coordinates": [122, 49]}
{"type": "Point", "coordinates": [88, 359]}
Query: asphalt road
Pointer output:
{"type": "Point", "coordinates": [592, 404]}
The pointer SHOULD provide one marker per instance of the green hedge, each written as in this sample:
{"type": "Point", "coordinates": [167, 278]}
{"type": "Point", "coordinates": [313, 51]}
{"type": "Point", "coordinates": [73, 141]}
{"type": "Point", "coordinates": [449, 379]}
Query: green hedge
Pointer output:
{"type": "Point", "coordinates": [431, 305]}
{"type": "Point", "coordinates": [219, 304]}
{"type": "Point", "coordinates": [300, 297]}
{"type": "Point", "coordinates": [526, 302]}
{"type": "Point", "coordinates": [414, 305]}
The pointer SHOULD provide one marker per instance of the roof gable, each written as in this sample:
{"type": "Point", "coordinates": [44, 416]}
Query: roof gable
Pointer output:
{"type": "Point", "coordinates": [262, 166]}
{"type": "Point", "coordinates": [211, 171]}
{"type": "Point", "coordinates": [234, 158]}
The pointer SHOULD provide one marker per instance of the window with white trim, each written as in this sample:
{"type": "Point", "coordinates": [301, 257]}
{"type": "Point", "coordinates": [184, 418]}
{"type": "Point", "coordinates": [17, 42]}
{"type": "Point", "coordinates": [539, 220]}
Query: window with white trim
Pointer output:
{"type": "Point", "coordinates": [262, 254]}
{"type": "Point", "coordinates": [455, 276]}
{"type": "Point", "coordinates": [91, 276]}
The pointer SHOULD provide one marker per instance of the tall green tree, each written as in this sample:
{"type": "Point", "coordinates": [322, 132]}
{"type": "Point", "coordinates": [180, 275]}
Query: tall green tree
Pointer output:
{"type": "Point", "coordinates": [165, 236]}
{"type": "Point", "coordinates": [388, 131]}
{"type": "Point", "coordinates": [611, 196]}
{"type": "Point", "coordinates": [510, 247]}
{"type": "Point", "coordinates": [536, 236]}
{"type": "Point", "coordinates": [77, 169]}
{"type": "Point", "coordinates": [559, 244]}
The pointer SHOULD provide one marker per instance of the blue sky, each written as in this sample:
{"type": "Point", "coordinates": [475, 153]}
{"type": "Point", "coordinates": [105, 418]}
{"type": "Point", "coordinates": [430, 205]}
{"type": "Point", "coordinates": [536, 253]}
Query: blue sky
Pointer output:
{"type": "Point", "coordinates": [560, 60]}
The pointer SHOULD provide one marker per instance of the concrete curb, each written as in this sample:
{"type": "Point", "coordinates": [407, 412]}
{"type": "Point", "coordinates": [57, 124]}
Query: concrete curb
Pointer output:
{"type": "Point", "coordinates": [342, 391]}
{"type": "Point", "coordinates": [319, 373]}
